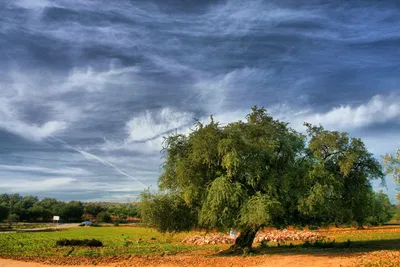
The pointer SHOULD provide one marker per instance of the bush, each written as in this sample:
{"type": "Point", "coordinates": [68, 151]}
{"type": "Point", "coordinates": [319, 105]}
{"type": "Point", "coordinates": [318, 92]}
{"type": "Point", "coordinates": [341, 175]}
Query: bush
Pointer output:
{"type": "Point", "coordinates": [4, 211]}
{"type": "Point", "coordinates": [166, 212]}
{"type": "Point", "coordinates": [12, 218]}
{"type": "Point", "coordinates": [104, 217]}
{"type": "Point", "coordinates": [79, 242]}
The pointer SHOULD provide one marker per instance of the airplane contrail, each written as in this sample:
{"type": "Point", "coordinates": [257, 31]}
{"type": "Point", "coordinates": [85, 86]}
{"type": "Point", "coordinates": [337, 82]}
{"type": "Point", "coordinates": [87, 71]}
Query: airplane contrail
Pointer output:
{"type": "Point", "coordinates": [102, 161]}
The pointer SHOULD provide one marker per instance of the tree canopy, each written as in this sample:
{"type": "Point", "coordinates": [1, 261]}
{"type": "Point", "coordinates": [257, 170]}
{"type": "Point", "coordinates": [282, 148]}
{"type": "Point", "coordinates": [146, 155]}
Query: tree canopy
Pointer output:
{"type": "Point", "coordinates": [392, 166]}
{"type": "Point", "coordinates": [260, 172]}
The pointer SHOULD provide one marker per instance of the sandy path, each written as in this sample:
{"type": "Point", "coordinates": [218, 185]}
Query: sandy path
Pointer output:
{"type": "Point", "coordinates": [56, 227]}
{"type": "Point", "coordinates": [195, 260]}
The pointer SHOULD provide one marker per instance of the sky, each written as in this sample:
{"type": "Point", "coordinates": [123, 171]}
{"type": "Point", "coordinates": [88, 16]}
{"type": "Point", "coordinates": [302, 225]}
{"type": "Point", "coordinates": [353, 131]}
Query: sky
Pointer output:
{"type": "Point", "coordinates": [88, 88]}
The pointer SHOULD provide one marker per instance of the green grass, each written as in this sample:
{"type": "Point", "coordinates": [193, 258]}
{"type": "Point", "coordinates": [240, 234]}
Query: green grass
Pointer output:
{"type": "Point", "coordinates": [145, 241]}
{"type": "Point", "coordinates": [116, 241]}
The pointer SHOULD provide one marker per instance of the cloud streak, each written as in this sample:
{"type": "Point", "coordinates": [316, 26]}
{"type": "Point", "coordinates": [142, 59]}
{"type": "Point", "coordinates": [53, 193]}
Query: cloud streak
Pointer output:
{"type": "Point", "coordinates": [104, 162]}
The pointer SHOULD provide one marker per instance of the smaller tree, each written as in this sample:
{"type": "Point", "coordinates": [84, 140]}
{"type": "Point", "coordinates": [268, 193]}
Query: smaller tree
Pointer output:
{"type": "Point", "coordinates": [392, 166]}
{"type": "Point", "coordinates": [4, 211]}
{"type": "Point", "coordinates": [12, 218]}
{"type": "Point", "coordinates": [166, 212]}
{"type": "Point", "coordinates": [397, 213]}
{"type": "Point", "coordinates": [71, 211]}
{"type": "Point", "coordinates": [381, 210]}
{"type": "Point", "coordinates": [38, 212]}
{"type": "Point", "coordinates": [93, 209]}
{"type": "Point", "coordinates": [104, 217]}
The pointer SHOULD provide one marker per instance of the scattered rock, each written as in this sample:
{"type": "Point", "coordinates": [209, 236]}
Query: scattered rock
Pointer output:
{"type": "Point", "coordinates": [262, 236]}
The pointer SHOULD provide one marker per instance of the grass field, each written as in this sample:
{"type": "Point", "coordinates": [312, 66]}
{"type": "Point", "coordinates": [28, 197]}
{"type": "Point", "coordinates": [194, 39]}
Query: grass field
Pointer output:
{"type": "Point", "coordinates": [125, 241]}
{"type": "Point", "coordinates": [116, 240]}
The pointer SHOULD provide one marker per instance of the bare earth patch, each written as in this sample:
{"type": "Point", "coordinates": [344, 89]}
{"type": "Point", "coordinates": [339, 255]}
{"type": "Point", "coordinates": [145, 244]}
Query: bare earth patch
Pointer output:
{"type": "Point", "coordinates": [198, 259]}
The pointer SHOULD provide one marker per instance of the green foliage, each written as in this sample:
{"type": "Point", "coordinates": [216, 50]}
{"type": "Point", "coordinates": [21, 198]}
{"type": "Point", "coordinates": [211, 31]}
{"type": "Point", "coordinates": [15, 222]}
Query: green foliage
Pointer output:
{"type": "Point", "coordinates": [260, 210]}
{"type": "Point", "coordinates": [260, 172]}
{"type": "Point", "coordinates": [339, 181]}
{"type": "Point", "coordinates": [245, 174]}
{"type": "Point", "coordinates": [104, 217]}
{"type": "Point", "coordinates": [72, 211]}
{"type": "Point", "coordinates": [31, 209]}
{"type": "Point", "coordinates": [166, 212]}
{"type": "Point", "coordinates": [94, 209]}
{"type": "Point", "coordinates": [12, 218]}
{"type": "Point", "coordinates": [392, 166]}
{"type": "Point", "coordinates": [4, 211]}
{"type": "Point", "coordinates": [381, 210]}
{"type": "Point", "coordinates": [123, 210]}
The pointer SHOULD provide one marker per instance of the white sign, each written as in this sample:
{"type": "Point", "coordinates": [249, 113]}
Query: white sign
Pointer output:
{"type": "Point", "coordinates": [233, 233]}
{"type": "Point", "coordinates": [56, 218]}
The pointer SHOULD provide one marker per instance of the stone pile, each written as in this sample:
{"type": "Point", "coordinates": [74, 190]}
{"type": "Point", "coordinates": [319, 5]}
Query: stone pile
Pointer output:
{"type": "Point", "coordinates": [262, 236]}
{"type": "Point", "coordinates": [213, 239]}
{"type": "Point", "coordinates": [287, 235]}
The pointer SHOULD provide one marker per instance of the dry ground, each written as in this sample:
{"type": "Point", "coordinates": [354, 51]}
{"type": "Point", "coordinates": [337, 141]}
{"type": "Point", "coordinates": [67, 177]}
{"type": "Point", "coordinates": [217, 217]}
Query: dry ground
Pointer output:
{"type": "Point", "coordinates": [319, 259]}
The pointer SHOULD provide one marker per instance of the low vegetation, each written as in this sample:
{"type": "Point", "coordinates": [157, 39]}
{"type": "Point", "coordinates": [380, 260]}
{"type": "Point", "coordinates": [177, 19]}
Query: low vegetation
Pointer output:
{"type": "Point", "coordinates": [116, 241]}
{"type": "Point", "coordinates": [125, 241]}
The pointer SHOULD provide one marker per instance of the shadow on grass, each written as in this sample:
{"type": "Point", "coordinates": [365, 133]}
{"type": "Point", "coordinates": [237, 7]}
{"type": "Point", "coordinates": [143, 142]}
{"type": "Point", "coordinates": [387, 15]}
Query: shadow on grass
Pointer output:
{"type": "Point", "coordinates": [337, 249]}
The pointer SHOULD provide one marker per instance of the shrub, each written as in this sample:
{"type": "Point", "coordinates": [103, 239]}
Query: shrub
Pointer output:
{"type": "Point", "coordinates": [79, 242]}
{"type": "Point", "coordinates": [104, 217]}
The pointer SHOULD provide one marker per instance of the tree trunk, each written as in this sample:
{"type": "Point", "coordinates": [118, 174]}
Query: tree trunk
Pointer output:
{"type": "Point", "coordinates": [244, 241]}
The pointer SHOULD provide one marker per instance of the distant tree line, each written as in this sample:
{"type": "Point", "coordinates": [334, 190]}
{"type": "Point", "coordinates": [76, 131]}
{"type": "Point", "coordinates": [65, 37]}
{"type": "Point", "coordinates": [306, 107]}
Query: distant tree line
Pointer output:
{"type": "Point", "coordinates": [17, 208]}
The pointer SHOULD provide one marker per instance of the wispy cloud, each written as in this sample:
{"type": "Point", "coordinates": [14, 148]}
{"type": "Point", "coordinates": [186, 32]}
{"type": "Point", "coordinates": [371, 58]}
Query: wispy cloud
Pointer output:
{"type": "Point", "coordinates": [44, 170]}
{"type": "Point", "coordinates": [94, 81]}
{"type": "Point", "coordinates": [22, 186]}
{"type": "Point", "coordinates": [151, 124]}
{"type": "Point", "coordinates": [102, 161]}
{"type": "Point", "coordinates": [379, 110]}
{"type": "Point", "coordinates": [11, 122]}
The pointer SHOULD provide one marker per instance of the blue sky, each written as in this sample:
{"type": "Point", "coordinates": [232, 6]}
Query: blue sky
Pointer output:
{"type": "Point", "coordinates": [88, 88]}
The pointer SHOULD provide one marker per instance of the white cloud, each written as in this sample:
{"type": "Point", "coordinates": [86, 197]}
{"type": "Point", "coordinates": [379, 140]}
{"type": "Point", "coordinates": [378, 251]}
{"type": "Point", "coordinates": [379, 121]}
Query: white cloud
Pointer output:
{"type": "Point", "coordinates": [37, 4]}
{"type": "Point", "coordinates": [42, 185]}
{"type": "Point", "coordinates": [93, 81]}
{"type": "Point", "coordinates": [215, 91]}
{"type": "Point", "coordinates": [151, 124]}
{"type": "Point", "coordinates": [379, 109]}
{"type": "Point", "coordinates": [63, 171]}
{"type": "Point", "coordinates": [145, 131]}
{"type": "Point", "coordinates": [22, 89]}
{"type": "Point", "coordinates": [11, 122]}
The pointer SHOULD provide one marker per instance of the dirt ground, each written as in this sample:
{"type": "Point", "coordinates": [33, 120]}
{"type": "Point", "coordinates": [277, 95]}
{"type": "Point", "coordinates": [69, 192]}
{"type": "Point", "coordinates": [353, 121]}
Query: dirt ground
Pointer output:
{"type": "Point", "coordinates": [201, 259]}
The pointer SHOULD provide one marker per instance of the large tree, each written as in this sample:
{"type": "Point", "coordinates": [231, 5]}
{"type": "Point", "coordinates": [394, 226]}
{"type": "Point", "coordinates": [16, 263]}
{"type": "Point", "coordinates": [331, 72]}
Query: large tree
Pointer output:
{"type": "Point", "coordinates": [257, 173]}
